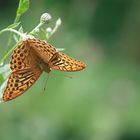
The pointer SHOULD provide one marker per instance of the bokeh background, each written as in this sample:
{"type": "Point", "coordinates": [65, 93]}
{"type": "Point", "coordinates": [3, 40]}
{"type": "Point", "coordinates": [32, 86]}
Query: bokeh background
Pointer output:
{"type": "Point", "coordinates": [100, 103]}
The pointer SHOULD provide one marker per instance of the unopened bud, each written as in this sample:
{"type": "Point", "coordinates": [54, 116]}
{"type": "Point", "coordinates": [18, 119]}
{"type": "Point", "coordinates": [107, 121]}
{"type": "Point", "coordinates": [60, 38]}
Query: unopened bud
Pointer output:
{"type": "Point", "coordinates": [45, 18]}
{"type": "Point", "coordinates": [58, 22]}
{"type": "Point", "coordinates": [49, 30]}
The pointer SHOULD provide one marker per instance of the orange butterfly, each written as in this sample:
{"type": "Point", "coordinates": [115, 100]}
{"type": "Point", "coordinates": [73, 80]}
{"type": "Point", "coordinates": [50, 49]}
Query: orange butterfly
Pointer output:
{"type": "Point", "coordinates": [29, 60]}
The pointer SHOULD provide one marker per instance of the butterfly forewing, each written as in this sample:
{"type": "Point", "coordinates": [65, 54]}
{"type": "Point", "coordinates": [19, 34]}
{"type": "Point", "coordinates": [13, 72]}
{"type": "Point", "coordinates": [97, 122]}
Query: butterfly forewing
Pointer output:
{"type": "Point", "coordinates": [52, 58]}
{"type": "Point", "coordinates": [42, 49]}
{"type": "Point", "coordinates": [20, 58]}
{"type": "Point", "coordinates": [63, 62]}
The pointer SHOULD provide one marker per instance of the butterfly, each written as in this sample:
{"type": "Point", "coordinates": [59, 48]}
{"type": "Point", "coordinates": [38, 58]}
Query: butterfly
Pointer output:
{"type": "Point", "coordinates": [29, 60]}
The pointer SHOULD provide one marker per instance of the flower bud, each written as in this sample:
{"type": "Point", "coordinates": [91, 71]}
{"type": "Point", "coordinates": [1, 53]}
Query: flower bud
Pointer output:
{"type": "Point", "coordinates": [45, 18]}
{"type": "Point", "coordinates": [49, 30]}
{"type": "Point", "coordinates": [58, 22]}
{"type": "Point", "coordinates": [25, 37]}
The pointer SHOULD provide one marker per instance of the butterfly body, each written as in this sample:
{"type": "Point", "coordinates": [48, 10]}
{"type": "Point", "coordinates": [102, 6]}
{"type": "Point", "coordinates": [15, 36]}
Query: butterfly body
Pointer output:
{"type": "Point", "coordinates": [29, 60]}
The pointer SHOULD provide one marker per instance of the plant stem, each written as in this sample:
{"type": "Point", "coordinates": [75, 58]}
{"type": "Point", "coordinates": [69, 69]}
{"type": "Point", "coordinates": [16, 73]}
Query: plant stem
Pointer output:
{"type": "Point", "coordinates": [15, 21]}
{"type": "Point", "coordinates": [12, 30]}
{"type": "Point", "coordinates": [37, 28]}
{"type": "Point", "coordinates": [8, 53]}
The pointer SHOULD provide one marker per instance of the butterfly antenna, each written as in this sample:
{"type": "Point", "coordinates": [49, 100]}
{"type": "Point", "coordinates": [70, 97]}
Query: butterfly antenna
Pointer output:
{"type": "Point", "coordinates": [60, 75]}
{"type": "Point", "coordinates": [46, 82]}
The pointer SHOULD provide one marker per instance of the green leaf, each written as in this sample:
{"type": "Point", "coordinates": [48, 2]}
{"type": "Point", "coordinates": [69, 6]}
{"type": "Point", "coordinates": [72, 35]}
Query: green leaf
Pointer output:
{"type": "Point", "coordinates": [14, 25]}
{"type": "Point", "coordinates": [1, 79]}
{"type": "Point", "coordinates": [22, 8]}
{"type": "Point", "coordinates": [16, 37]}
{"type": "Point", "coordinates": [42, 33]}
{"type": "Point", "coordinates": [21, 29]}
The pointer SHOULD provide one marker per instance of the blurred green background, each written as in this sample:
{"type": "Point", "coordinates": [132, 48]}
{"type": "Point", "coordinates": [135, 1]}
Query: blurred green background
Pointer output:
{"type": "Point", "coordinates": [100, 103]}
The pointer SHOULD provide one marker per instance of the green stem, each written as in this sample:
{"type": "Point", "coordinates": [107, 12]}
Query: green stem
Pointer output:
{"type": "Point", "coordinates": [17, 18]}
{"type": "Point", "coordinates": [37, 28]}
{"type": "Point", "coordinates": [58, 23]}
{"type": "Point", "coordinates": [15, 21]}
{"type": "Point", "coordinates": [8, 53]}
{"type": "Point", "coordinates": [12, 30]}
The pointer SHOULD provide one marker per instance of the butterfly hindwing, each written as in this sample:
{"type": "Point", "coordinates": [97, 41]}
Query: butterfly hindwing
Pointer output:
{"type": "Point", "coordinates": [25, 71]}
{"type": "Point", "coordinates": [19, 82]}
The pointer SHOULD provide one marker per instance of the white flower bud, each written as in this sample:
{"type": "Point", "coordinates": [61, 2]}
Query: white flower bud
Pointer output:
{"type": "Point", "coordinates": [49, 30]}
{"type": "Point", "coordinates": [27, 37]}
{"type": "Point", "coordinates": [58, 22]}
{"type": "Point", "coordinates": [46, 17]}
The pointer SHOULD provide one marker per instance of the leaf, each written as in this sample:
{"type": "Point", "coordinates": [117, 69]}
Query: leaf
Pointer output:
{"type": "Point", "coordinates": [2, 88]}
{"type": "Point", "coordinates": [5, 71]}
{"type": "Point", "coordinates": [21, 29]}
{"type": "Point", "coordinates": [1, 79]}
{"type": "Point", "coordinates": [4, 68]}
{"type": "Point", "coordinates": [42, 34]}
{"type": "Point", "coordinates": [16, 37]}
{"type": "Point", "coordinates": [22, 8]}
{"type": "Point", "coordinates": [14, 25]}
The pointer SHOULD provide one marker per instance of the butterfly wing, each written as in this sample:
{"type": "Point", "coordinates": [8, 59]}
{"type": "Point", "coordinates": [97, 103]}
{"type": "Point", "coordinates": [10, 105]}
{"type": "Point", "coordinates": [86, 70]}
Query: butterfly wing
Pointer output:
{"type": "Point", "coordinates": [52, 58]}
{"type": "Point", "coordinates": [19, 82]}
{"type": "Point", "coordinates": [63, 62]}
{"type": "Point", "coordinates": [42, 49]}
{"type": "Point", "coordinates": [25, 71]}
